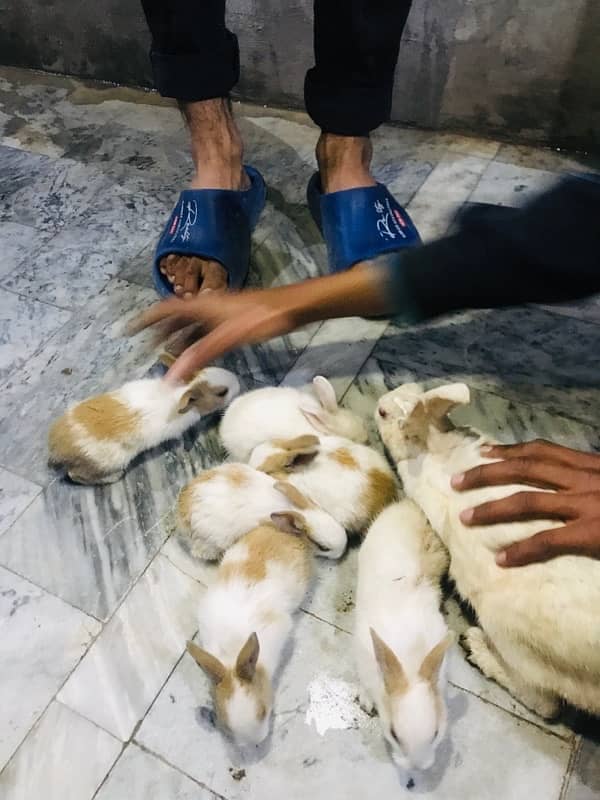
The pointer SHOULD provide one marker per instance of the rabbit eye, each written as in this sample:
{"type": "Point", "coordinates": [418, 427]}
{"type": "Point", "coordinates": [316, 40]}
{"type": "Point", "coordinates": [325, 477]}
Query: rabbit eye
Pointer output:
{"type": "Point", "coordinates": [321, 547]}
{"type": "Point", "coordinates": [394, 736]}
{"type": "Point", "coordinates": [221, 392]}
{"type": "Point", "coordinates": [383, 413]}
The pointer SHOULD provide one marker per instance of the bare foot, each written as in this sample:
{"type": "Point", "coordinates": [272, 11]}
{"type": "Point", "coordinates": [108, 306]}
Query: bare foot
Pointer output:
{"type": "Point", "coordinates": [344, 162]}
{"type": "Point", "coordinates": [217, 154]}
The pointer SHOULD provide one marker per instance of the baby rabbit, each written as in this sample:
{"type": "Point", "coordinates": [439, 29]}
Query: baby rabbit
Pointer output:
{"type": "Point", "coordinates": [350, 481]}
{"type": "Point", "coordinates": [224, 503]}
{"type": "Point", "coordinates": [96, 439]}
{"type": "Point", "coordinates": [281, 412]}
{"type": "Point", "coordinates": [538, 634]}
{"type": "Point", "coordinates": [400, 635]}
{"type": "Point", "coordinates": [245, 620]}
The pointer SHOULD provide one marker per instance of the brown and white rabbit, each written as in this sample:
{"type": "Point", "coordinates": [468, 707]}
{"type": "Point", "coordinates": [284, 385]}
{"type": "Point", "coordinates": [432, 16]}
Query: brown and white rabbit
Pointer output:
{"type": "Point", "coordinates": [245, 620]}
{"type": "Point", "coordinates": [400, 637]}
{"type": "Point", "coordinates": [352, 482]}
{"type": "Point", "coordinates": [96, 439]}
{"type": "Point", "coordinates": [538, 633]}
{"type": "Point", "coordinates": [222, 504]}
{"type": "Point", "coordinates": [281, 412]}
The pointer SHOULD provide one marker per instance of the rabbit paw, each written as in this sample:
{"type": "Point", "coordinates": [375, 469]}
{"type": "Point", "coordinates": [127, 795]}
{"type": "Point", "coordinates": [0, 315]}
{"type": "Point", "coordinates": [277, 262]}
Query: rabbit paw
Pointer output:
{"type": "Point", "coordinates": [366, 704]}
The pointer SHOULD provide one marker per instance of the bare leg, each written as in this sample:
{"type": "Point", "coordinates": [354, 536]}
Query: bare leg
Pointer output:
{"type": "Point", "coordinates": [344, 162]}
{"type": "Point", "coordinates": [217, 151]}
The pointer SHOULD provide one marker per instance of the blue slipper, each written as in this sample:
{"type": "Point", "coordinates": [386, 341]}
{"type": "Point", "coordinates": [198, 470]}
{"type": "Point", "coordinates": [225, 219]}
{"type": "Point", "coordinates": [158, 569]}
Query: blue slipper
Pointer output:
{"type": "Point", "coordinates": [359, 224]}
{"type": "Point", "coordinates": [215, 224]}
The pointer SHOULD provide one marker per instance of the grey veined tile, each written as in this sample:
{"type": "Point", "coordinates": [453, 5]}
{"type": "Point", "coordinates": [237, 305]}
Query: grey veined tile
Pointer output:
{"type": "Point", "coordinates": [511, 185]}
{"type": "Point", "coordinates": [65, 757]}
{"type": "Point", "coordinates": [526, 354]}
{"type": "Point", "coordinates": [139, 775]}
{"type": "Point", "coordinates": [25, 326]}
{"type": "Point", "coordinates": [16, 494]}
{"type": "Point", "coordinates": [42, 639]}
{"type": "Point", "coordinates": [124, 669]}
{"type": "Point", "coordinates": [324, 746]}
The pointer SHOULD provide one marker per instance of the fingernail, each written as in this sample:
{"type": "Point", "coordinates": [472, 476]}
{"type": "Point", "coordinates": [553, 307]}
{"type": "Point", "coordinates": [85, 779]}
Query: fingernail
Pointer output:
{"type": "Point", "coordinates": [486, 448]}
{"type": "Point", "coordinates": [456, 480]}
{"type": "Point", "coordinates": [501, 558]}
{"type": "Point", "coordinates": [466, 516]}
{"type": "Point", "coordinates": [205, 291]}
{"type": "Point", "coordinates": [187, 296]}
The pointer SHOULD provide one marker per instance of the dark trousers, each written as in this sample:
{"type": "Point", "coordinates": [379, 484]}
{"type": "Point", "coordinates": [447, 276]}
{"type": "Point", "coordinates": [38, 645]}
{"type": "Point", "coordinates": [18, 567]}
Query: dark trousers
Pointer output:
{"type": "Point", "coordinates": [348, 91]}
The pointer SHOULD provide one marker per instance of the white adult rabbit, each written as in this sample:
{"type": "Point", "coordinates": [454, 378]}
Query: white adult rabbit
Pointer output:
{"type": "Point", "coordinates": [351, 481]}
{"type": "Point", "coordinates": [222, 504]}
{"type": "Point", "coordinates": [281, 412]}
{"type": "Point", "coordinates": [245, 619]}
{"type": "Point", "coordinates": [96, 439]}
{"type": "Point", "coordinates": [400, 635]}
{"type": "Point", "coordinates": [538, 633]}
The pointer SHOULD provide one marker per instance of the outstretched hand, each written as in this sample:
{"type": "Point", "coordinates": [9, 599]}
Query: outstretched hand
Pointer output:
{"type": "Point", "coordinates": [575, 478]}
{"type": "Point", "coordinates": [229, 320]}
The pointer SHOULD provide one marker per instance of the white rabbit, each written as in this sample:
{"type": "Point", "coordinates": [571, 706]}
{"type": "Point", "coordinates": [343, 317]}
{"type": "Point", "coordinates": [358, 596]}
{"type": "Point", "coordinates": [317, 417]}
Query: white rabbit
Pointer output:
{"type": "Point", "coordinates": [222, 504]}
{"type": "Point", "coordinates": [400, 635]}
{"type": "Point", "coordinates": [278, 412]}
{"type": "Point", "coordinates": [538, 633]}
{"type": "Point", "coordinates": [351, 481]}
{"type": "Point", "coordinates": [245, 619]}
{"type": "Point", "coordinates": [96, 439]}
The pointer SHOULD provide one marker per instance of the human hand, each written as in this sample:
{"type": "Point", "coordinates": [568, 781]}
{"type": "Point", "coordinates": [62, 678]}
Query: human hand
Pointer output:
{"type": "Point", "coordinates": [229, 320]}
{"type": "Point", "coordinates": [575, 478]}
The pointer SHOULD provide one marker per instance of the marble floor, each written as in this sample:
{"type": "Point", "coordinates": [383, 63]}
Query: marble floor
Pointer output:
{"type": "Point", "coordinates": [97, 696]}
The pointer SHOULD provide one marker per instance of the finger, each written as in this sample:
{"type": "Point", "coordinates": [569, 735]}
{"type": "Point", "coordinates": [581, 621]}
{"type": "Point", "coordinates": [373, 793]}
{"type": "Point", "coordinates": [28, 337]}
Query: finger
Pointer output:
{"type": "Point", "coordinates": [172, 308]}
{"type": "Point", "coordinates": [517, 470]}
{"type": "Point", "coordinates": [579, 538]}
{"type": "Point", "coordinates": [250, 327]}
{"type": "Point", "coordinates": [545, 451]}
{"type": "Point", "coordinates": [524, 506]}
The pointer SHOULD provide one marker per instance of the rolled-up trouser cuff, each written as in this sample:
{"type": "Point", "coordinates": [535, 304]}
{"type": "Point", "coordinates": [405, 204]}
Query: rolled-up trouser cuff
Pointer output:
{"type": "Point", "coordinates": [346, 110]}
{"type": "Point", "coordinates": [190, 77]}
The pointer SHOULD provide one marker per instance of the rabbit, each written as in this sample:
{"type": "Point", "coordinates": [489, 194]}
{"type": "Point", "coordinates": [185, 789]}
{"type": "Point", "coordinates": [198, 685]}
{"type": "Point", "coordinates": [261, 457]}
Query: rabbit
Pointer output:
{"type": "Point", "coordinates": [224, 503]}
{"type": "Point", "coordinates": [538, 634]}
{"type": "Point", "coordinates": [400, 636]}
{"type": "Point", "coordinates": [279, 412]}
{"type": "Point", "coordinates": [350, 481]}
{"type": "Point", "coordinates": [96, 439]}
{"type": "Point", "coordinates": [245, 619]}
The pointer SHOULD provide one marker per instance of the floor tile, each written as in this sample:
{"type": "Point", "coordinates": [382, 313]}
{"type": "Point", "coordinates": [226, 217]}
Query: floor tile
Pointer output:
{"type": "Point", "coordinates": [19, 244]}
{"type": "Point", "coordinates": [546, 158]}
{"type": "Point", "coordinates": [18, 170]}
{"type": "Point", "coordinates": [584, 781]}
{"type": "Point", "coordinates": [25, 326]}
{"type": "Point", "coordinates": [16, 494]}
{"type": "Point", "coordinates": [126, 666]}
{"type": "Point", "coordinates": [64, 758]}
{"type": "Point", "coordinates": [586, 309]}
{"type": "Point", "coordinates": [139, 775]}
{"type": "Point", "coordinates": [511, 185]}
{"type": "Point", "coordinates": [525, 354]}
{"type": "Point", "coordinates": [317, 722]}
{"type": "Point", "coordinates": [42, 640]}
{"type": "Point", "coordinates": [56, 193]}
{"type": "Point", "coordinates": [444, 191]}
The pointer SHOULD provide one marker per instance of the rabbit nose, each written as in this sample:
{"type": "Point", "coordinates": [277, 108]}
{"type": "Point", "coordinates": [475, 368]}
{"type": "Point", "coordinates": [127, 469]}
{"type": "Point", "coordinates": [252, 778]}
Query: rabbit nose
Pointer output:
{"type": "Point", "coordinates": [382, 413]}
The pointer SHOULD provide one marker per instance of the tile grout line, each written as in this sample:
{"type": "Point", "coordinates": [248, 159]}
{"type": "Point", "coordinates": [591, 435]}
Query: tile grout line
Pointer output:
{"type": "Point", "coordinates": [512, 714]}
{"type": "Point", "coordinates": [573, 758]}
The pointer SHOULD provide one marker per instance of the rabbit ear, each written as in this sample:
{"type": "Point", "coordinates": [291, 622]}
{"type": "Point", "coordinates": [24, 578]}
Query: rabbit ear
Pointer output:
{"type": "Point", "coordinates": [202, 395]}
{"type": "Point", "coordinates": [211, 665]}
{"type": "Point", "coordinates": [301, 444]}
{"type": "Point", "coordinates": [245, 666]}
{"type": "Point", "coordinates": [293, 453]}
{"type": "Point", "coordinates": [419, 412]}
{"type": "Point", "coordinates": [294, 495]}
{"type": "Point", "coordinates": [326, 393]}
{"type": "Point", "coordinates": [185, 402]}
{"type": "Point", "coordinates": [290, 522]}
{"type": "Point", "coordinates": [432, 662]}
{"type": "Point", "coordinates": [394, 677]}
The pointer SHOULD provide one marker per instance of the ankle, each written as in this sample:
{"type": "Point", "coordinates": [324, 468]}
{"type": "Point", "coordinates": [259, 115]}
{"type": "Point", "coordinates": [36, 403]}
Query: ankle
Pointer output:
{"type": "Point", "coordinates": [344, 162]}
{"type": "Point", "coordinates": [216, 145]}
